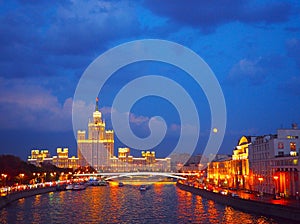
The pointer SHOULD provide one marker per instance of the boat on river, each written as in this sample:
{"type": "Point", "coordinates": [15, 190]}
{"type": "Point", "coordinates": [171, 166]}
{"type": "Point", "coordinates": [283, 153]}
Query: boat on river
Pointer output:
{"type": "Point", "coordinates": [102, 183]}
{"type": "Point", "coordinates": [143, 188]}
{"type": "Point", "coordinates": [69, 187]}
{"type": "Point", "coordinates": [79, 186]}
{"type": "Point", "coordinates": [61, 187]}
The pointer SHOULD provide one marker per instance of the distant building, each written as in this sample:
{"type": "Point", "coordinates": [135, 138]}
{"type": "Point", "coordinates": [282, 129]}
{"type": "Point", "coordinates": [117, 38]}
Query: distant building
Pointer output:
{"type": "Point", "coordinates": [38, 156]}
{"type": "Point", "coordinates": [148, 162]}
{"type": "Point", "coordinates": [192, 164]}
{"type": "Point", "coordinates": [97, 148]}
{"type": "Point", "coordinates": [61, 160]}
{"type": "Point", "coordinates": [178, 160]}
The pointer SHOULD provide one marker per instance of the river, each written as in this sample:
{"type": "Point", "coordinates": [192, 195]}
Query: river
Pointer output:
{"type": "Point", "coordinates": [161, 203]}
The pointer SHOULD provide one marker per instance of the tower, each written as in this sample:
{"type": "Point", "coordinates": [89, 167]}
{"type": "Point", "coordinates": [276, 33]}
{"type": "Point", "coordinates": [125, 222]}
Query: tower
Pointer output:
{"type": "Point", "coordinates": [98, 148]}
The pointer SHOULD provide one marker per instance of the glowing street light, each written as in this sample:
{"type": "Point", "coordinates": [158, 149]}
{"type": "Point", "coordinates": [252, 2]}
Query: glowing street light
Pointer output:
{"type": "Point", "coordinates": [4, 176]}
{"type": "Point", "coordinates": [21, 177]}
{"type": "Point", "coordinates": [275, 178]}
{"type": "Point", "coordinates": [260, 181]}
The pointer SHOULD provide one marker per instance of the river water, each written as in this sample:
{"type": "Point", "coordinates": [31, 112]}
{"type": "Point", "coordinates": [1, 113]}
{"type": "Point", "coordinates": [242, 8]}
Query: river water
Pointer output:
{"type": "Point", "coordinates": [161, 203]}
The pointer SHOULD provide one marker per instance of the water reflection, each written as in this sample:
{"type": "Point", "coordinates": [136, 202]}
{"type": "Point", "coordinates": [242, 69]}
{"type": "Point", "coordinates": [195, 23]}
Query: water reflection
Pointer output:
{"type": "Point", "coordinates": [160, 204]}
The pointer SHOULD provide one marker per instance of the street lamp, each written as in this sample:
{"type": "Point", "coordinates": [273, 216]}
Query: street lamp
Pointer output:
{"type": "Point", "coordinates": [21, 177]}
{"type": "Point", "coordinates": [260, 181]}
{"type": "Point", "coordinates": [275, 178]}
{"type": "Point", "coordinates": [4, 175]}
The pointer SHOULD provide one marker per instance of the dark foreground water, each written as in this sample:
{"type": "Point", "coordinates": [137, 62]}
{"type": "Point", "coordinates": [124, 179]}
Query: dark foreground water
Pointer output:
{"type": "Point", "coordinates": [162, 203]}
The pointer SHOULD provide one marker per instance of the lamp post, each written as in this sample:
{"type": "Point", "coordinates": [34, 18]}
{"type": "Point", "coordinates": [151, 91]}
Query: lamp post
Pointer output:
{"type": "Point", "coordinates": [38, 178]}
{"type": "Point", "coordinates": [260, 181]}
{"type": "Point", "coordinates": [4, 176]}
{"type": "Point", "coordinates": [21, 177]}
{"type": "Point", "coordinates": [276, 188]}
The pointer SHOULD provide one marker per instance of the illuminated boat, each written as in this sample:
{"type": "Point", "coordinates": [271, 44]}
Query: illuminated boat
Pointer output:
{"type": "Point", "coordinates": [69, 187]}
{"type": "Point", "coordinates": [79, 186]}
{"type": "Point", "coordinates": [143, 188]}
{"type": "Point", "coordinates": [102, 183]}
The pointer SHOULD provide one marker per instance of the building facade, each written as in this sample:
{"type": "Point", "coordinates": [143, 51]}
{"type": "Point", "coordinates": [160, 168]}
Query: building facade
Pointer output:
{"type": "Point", "coordinates": [97, 148]}
{"type": "Point", "coordinates": [219, 173]}
{"type": "Point", "coordinates": [147, 162]}
{"type": "Point", "coordinates": [267, 163]}
{"type": "Point", "coordinates": [275, 162]}
{"type": "Point", "coordinates": [240, 171]}
{"type": "Point", "coordinates": [61, 160]}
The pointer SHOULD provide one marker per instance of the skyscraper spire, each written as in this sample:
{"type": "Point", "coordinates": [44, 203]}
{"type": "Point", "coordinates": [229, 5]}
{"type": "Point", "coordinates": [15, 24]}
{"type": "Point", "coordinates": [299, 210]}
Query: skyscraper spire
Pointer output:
{"type": "Point", "coordinates": [97, 106]}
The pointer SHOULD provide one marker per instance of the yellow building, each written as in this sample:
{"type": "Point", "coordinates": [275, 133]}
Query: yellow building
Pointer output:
{"type": "Point", "coordinates": [235, 172]}
{"type": "Point", "coordinates": [148, 162]}
{"type": "Point", "coordinates": [240, 164]}
{"type": "Point", "coordinates": [97, 149]}
{"type": "Point", "coordinates": [38, 156]}
{"type": "Point", "coordinates": [60, 160]}
{"type": "Point", "coordinates": [219, 173]}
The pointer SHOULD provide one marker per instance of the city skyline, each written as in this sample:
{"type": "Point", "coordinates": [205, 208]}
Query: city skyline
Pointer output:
{"type": "Point", "coordinates": [252, 47]}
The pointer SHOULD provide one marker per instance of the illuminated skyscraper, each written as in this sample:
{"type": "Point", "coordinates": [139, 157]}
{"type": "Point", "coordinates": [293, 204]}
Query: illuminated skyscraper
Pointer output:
{"type": "Point", "coordinates": [97, 149]}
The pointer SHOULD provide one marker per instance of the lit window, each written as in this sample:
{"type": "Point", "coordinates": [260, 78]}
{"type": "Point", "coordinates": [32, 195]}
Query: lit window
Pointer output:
{"type": "Point", "coordinates": [293, 153]}
{"type": "Point", "coordinates": [280, 145]}
{"type": "Point", "coordinates": [293, 146]}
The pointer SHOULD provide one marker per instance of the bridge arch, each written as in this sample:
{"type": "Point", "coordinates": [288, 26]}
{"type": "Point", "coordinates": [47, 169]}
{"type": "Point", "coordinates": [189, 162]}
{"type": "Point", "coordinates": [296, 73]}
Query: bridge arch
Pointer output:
{"type": "Point", "coordinates": [145, 174]}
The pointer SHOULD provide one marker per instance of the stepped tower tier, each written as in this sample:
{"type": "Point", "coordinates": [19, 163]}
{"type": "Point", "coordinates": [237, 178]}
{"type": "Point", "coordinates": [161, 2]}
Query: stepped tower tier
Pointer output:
{"type": "Point", "coordinates": [97, 149]}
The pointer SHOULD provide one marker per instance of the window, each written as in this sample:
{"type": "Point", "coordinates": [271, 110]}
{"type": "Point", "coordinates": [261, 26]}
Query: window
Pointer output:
{"type": "Point", "coordinates": [280, 154]}
{"type": "Point", "coordinates": [280, 145]}
{"type": "Point", "coordinates": [293, 146]}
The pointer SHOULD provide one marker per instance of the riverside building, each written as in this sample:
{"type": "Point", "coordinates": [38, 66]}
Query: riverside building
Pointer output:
{"type": "Point", "coordinates": [267, 163]}
{"type": "Point", "coordinates": [61, 160]}
{"type": "Point", "coordinates": [274, 160]}
{"type": "Point", "coordinates": [147, 162]}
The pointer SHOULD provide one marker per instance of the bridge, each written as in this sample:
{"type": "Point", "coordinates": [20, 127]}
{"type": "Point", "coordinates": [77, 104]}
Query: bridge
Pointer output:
{"type": "Point", "coordinates": [109, 176]}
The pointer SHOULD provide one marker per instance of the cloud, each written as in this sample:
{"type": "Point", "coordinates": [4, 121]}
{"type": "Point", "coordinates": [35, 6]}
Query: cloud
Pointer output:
{"type": "Point", "coordinates": [207, 15]}
{"type": "Point", "coordinates": [255, 71]}
{"type": "Point", "coordinates": [140, 123]}
{"type": "Point", "coordinates": [138, 120]}
{"type": "Point", "coordinates": [85, 26]}
{"type": "Point", "coordinates": [25, 105]}
{"type": "Point", "coordinates": [44, 39]}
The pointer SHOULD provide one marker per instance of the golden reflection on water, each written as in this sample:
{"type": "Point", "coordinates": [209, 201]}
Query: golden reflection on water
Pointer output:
{"type": "Point", "coordinates": [116, 201]}
{"type": "Point", "coordinates": [20, 214]}
{"type": "Point", "coordinates": [112, 204]}
{"type": "Point", "coordinates": [184, 203]}
{"type": "Point", "coordinates": [3, 216]}
{"type": "Point", "coordinates": [212, 211]}
{"type": "Point", "coordinates": [158, 189]}
{"type": "Point", "coordinates": [236, 217]}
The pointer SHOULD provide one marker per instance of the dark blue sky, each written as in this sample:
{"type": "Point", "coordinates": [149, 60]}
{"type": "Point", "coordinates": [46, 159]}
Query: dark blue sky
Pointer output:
{"type": "Point", "coordinates": [253, 47]}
